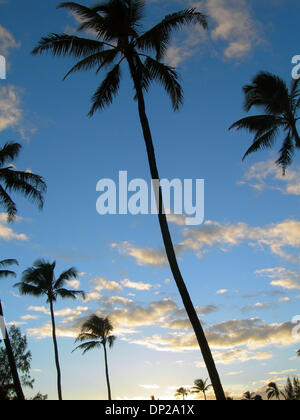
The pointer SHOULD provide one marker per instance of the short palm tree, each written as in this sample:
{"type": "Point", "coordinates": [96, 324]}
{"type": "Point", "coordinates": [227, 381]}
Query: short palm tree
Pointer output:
{"type": "Point", "coordinates": [116, 25]}
{"type": "Point", "coordinates": [182, 392]}
{"type": "Point", "coordinates": [281, 107]}
{"type": "Point", "coordinates": [40, 280]}
{"type": "Point", "coordinates": [273, 391]}
{"type": "Point", "coordinates": [201, 386]}
{"type": "Point", "coordinates": [30, 185]}
{"type": "Point", "coordinates": [298, 353]}
{"type": "Point", "coordinates": [12, 363]}
{"type": "Point", "coordinates": [96, 333]}
{"type": "Point", "coordinates": [248, 396]}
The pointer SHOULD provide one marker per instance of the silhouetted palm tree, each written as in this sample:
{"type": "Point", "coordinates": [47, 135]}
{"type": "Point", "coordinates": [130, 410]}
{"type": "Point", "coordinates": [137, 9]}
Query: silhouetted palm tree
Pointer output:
{"type": "Point", "coordinates": [30, 185]}
{"type": "Point", "coordinates": [182, 392]}
{"type": "Point", "coordinates": [273, 391]}
{"type": "Point", "coordinates": [201, 386]}
{"type": "Point", "coordinates": [298, 353]}
{"type": "Point", "coordinates": [40, 280]}
{"type": "Point", "coordinates": [248, 396]}
{"type": "Point", "coordinates": [9, 351]}
{"type": "Point", "coordinates": [116, 25]}
{"type": "Point", "coordinates": [96, 332]}
{"type": "Point", "coordinates": [281, 106]}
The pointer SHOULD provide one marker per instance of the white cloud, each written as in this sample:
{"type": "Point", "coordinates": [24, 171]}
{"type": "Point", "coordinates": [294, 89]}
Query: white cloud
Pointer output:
{"type": "Point", "coordinates": [143, 256]}
{"type": "Point", "coordinates": [281, 277]}
{"type": "Point", "coordinates": [276, 237]}
{"type": "Point", "coordinates": [222, 292]}
{"type": "Point", "coordinates": [104, 284]}
{"type": "Point", "coordinates": [250, 333]}
{"type": "Point", "coordinates": [7, 233]}
{"type": "Point", "coordinates": [150, 386]}
{"type": "Point", "coordinates": [10, 111]}
{"type": "Point", "coordinates": [7, 41]}
{"type": "Point", "coordinates": [136, 285]}
{"type": "Point", "coordinates": [267, 175]}
{"type": "Point", "coordinates": [74, 284]}
{"type": "Point", "coordinates": [235, 25]}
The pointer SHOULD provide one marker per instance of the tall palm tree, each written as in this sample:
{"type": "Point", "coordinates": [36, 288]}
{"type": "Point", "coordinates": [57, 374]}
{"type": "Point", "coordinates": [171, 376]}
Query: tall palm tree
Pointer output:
{"type": "Point", "coordinates": [281, 107]}
{"type": "Point", "coordinates": [273, 391]}
{"type": "Point", "coordinates": [116, 25]}
{"type": "Point", "coordinates": [40, 280]}
{"type": "Point", "coordinates": [30, 185]}
{"type": "Point", "coordinates": [182, 392]}
{"type": "Point", "coordinates": [96, 333]}
{"type": "Point", "coordinates": [12, 363]}
{"type": "Point", "coordinates": [201, 386]}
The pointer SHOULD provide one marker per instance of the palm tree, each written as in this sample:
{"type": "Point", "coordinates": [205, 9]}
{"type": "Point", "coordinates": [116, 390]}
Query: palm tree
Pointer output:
{"type": "Point", "coordinates": [281, 106]}
{"type": "Point", "coordinates": [96, 333]}
{"type": "Point", "coordinates": [201, 386]}
{"type": "Point", "coordinates": [40, 280]}
{"type": "Point", "coordinates": [116, 25]}
{"type": "Point", "coordinates": [298, 353]}
{"type": "Point", "coordinates": [9, 351]}
{"type": "Point", "coordinates": [182, 392]}
{"type": "Point", "coordinates": [248, 396]}
{"type": "Point", "coordinates": [273, 391]}
{"type": "Point", "coordinates": [30, 185]}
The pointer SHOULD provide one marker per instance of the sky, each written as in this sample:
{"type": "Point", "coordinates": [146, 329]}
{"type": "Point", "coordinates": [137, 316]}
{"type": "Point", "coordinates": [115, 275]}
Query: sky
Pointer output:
{"type": "Point", "coordinates": [241, 265]}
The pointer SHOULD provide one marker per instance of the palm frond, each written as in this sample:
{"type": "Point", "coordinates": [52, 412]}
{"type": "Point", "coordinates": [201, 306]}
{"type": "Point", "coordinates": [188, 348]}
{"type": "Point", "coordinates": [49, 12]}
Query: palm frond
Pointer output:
{"type": "Point", "coordinates": [8, 262]}
{"type": "Point", "coordinates": [262, 142]}
{"type": "Point", "coordinates": [63, 44]}
{"type": "Point", "coordinates": [83, 336]}
{"type": "Point", "coordinates": [69, 294]}
{"type": "Point", "coordinates": [8, 204]}
{"type": "Point", "coordinates": [29, 289]}
{"type": "Point", "coordinates": [7, 273]}
{"type": "Point", "coordinates": [158, 37]}
{"type": "Point", "coordinates": [286, 153]}
{"type": "Point", "coordinates": [9, 152]}
{"type": "Point", "coordinates": [85, 347]}
{"type": "Point", "coordinates": [107, 91]}
{"type": "Point", "coordinates": [168, 78]}
{"type": "Point", "coordinates": [69, 274]}
{"type": "Point", "coordinates": [257, 123]}
{"type": "Point", "coordinates": [111, 340]}
{"type": "Point", "coordinates": [30, 185]}
{"type": "Point", "coordinates": [100, 59]}
{"type": "Point", "coordinates": [268, 91]}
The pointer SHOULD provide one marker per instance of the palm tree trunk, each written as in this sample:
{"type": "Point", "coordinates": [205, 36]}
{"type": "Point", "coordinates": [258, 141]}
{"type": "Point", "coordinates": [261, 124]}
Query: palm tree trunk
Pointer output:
{"type": "Point", "coordinates": [11, 360]}
{"type": "Point", "coordinates": [106, 372]}
{"type": "Point", "coordinates": [204, 393]}
{"type": "Point", "coordinates": [56, 352]}
{"type": "Point", "coordinates": [189, 307]}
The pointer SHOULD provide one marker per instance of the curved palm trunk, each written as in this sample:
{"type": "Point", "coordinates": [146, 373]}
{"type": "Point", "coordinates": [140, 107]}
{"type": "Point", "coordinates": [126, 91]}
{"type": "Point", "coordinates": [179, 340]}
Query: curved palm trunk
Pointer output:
{"type": "Point", "coordinates": [56, 352]}
{"type": "Point", "coordinates": [204, 393]}
{"type": "Point", "coordinates": [107, 374]}
{"type": "Point", "coordinates": [189, 307]}
{"type": "Point", "coordinates": [11, 360]}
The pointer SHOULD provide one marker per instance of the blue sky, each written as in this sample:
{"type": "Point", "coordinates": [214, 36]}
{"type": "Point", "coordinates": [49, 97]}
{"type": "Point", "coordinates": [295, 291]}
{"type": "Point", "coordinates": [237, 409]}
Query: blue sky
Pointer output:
{"type": "Point", "coordinates": [241, 266]}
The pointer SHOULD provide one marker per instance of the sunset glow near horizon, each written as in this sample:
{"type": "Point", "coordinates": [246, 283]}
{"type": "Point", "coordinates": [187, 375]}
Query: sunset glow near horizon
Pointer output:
{"type": "Point", "coordinates": [241, 266]}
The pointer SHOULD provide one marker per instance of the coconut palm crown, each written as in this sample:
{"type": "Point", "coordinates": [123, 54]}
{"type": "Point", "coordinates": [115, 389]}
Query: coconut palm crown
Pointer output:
{"type": "Point", "coordinates": [281, 107]}
{"type": "Point", "coordinates": [30, 185]}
